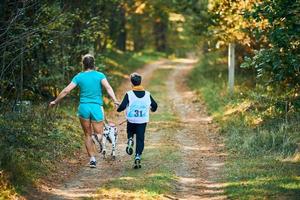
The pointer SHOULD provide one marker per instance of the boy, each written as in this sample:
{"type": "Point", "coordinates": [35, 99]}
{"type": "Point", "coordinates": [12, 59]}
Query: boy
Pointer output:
{"type": "Point", "coordinates": [137, 103]}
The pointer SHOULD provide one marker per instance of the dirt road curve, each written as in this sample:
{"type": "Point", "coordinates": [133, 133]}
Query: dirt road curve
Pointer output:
{"type": "Point", "coordinates": [199, 176]}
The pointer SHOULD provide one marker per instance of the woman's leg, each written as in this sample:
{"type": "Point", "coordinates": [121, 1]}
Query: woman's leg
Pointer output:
{"type": "Point", "coordinates": [98, 128]}
{"type": "Point", "coordinates": [87, 129]}
{"type": "Point", "coordinates": [97, 115]}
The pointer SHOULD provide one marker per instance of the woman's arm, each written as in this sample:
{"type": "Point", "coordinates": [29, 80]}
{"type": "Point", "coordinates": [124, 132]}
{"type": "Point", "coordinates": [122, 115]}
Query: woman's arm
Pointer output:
{"type": "Point", "coordinates": [110, 91]}
{"type": "Point", "coordinates": [63, 93]}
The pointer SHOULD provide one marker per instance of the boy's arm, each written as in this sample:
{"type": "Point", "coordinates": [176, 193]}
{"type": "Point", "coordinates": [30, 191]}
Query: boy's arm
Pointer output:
{"type": "Point", "coordinates": [124, 103]}
{"type": "Point", "coordinates": [153, 104]}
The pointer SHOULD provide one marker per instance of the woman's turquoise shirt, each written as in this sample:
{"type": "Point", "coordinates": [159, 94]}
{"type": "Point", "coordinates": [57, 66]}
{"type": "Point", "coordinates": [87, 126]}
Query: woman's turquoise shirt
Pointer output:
{"type": "Point", "coordinates": [89, 83]}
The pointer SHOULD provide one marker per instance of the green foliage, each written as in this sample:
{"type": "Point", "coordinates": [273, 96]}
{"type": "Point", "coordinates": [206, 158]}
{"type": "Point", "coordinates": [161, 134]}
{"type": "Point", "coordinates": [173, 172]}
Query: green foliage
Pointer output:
{"type": "Point", "coordinates": [259, 133]}
{"type": "Point", "coordinates": [196, 11]}
{"type": "Point", "coordinates": [253, 124]}
{"type": "Point", "coordinates": [205, 79]}
{"type": "Point", "coordinates": [279, 62]}
{"type": "Point", "coordinates": [42, 42]}
{"type": "Point", "coordinates": [32, 140]}
{"type": "Point", "coordinates": [267, 33]}
{"type": "Point", "coordinates": [41, 47]}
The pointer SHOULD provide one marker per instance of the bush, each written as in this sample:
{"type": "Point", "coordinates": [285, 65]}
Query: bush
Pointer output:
{"type": "Point", "coordinates": [33, 139]}
{"type": "Point", "coordinates": [254, 120]}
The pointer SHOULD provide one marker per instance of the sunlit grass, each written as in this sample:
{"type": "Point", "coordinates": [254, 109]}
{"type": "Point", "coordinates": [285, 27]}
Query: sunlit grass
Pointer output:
{"type": "Point", "coordinates": [262, 177]}
{"type": "Point", "coordinates": [7, 191]}
{"type": "Point", "coordinates": [152, 180]}
{"type": "Point", "coordinates": [159, 90]}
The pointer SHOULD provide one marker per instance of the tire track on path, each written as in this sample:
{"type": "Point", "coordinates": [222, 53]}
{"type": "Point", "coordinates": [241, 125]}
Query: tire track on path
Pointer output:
{"type": "Point", "coordinates": [200, 145]}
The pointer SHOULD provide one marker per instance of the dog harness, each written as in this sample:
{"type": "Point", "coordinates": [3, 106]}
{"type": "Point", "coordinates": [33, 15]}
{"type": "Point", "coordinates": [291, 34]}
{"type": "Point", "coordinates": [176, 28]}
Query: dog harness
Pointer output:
{"type": "Point", "coordinates": [138, 108]}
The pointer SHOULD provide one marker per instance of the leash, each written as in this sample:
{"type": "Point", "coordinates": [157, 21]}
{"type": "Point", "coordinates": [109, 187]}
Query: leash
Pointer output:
{"type": "Point", "coordinates": [123, 122]}
{"type": "Point", "coordinates": [106, 121]}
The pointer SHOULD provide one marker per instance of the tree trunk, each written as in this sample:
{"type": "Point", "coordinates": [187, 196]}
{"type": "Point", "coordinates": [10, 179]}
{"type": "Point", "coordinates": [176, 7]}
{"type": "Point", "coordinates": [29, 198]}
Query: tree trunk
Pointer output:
{"type": "Point", "coordinates": [121, 38]}
{"type": "Point", "coordinates": [231, 65]}
{"type": "Point", "coordinates": [160, 32]}
{"type": "Point", "coordinates": [138, 39]}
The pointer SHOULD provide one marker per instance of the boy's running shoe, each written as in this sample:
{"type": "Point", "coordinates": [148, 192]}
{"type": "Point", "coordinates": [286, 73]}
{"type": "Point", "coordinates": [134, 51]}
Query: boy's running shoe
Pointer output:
{"type": "Point", "coordinates": [92, 164]}
{"type": "Point", "coordinates": [137, 162]}
{"type": "Point", "coordinates": [129, 149]}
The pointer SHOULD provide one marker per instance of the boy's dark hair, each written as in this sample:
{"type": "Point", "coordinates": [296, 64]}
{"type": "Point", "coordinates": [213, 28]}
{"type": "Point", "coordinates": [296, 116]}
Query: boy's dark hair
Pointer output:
{"type": "Point", "coordinates": [135, 79]}
{"type": "Point", "coordinates": [88, 62]}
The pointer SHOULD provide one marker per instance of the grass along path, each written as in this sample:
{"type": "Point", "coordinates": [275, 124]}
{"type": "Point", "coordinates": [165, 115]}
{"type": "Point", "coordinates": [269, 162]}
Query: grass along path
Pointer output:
{"type": "Point", "coordinates": [256, 165]}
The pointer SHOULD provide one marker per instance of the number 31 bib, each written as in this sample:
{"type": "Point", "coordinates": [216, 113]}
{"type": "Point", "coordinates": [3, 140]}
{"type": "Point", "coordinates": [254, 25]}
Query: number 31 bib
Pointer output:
{"type": "Point", "coordinates": [138, 108]}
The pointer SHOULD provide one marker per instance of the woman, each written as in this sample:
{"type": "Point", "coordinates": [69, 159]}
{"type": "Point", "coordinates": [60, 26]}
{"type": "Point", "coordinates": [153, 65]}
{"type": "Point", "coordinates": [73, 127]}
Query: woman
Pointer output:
{"type": "Point", "coordinates": [90, 109]}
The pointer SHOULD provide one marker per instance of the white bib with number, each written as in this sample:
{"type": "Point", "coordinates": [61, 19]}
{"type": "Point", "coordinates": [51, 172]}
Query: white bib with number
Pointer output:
{"type": "Point", "coordinates": [138, 108]}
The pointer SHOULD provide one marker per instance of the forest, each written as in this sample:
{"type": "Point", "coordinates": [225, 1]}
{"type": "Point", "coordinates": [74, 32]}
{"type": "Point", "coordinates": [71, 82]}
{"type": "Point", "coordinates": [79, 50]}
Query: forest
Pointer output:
{"type": "Point", "coordinates": [41, 47]}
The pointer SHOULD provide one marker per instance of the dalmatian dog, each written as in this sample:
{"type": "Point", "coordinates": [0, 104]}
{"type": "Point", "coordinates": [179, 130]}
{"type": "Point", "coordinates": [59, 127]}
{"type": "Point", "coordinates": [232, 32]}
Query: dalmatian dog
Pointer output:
{"type": "Point", "coordinates": [110, 134]}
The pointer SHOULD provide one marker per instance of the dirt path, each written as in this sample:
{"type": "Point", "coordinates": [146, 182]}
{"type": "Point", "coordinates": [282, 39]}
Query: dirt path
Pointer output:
{"type": "Point", "coordinates": [199, 173]}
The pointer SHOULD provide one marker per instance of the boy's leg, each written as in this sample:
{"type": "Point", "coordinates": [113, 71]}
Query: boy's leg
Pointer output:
{"type": "Point", "coordinates": [140, 138]}
{"type": "Point", "coordinates": [130, 130]}
{"type": "Point", "coordinates": [130, 133]}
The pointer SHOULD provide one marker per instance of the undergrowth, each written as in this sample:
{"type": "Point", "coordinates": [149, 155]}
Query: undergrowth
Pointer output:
{"type": "Point", "coordinates": [253, 123]}
{"type": "Point", "coordinates": [261, 130]}
{"type": "Point", "coordinates": [32, 140]}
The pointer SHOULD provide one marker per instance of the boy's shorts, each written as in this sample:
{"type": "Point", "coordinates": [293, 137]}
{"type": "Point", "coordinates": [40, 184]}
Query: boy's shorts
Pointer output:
{"type": "Point", "coordinates": [90, 111]}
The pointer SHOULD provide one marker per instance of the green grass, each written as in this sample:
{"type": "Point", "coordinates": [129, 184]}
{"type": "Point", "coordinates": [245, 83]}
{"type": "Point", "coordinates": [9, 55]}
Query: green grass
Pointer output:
{"type": "Point", "coordinates": [159, 88]}
{"type": "Point", "coordinates": [152, 180]}
{"type": "Point", "coordinates": [33, 141]}
{"type": "Point", "coordinates": [261, 178]}
{"type": "Point", "coordinates": [155, 178]}
{"type": "Point", "coordinates": [258, 134]}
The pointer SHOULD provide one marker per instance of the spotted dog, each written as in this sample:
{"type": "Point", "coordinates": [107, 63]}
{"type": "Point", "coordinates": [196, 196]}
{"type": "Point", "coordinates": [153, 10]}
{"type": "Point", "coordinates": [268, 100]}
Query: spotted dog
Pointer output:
{"type": "Point", "coordinates": [110, 134]}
